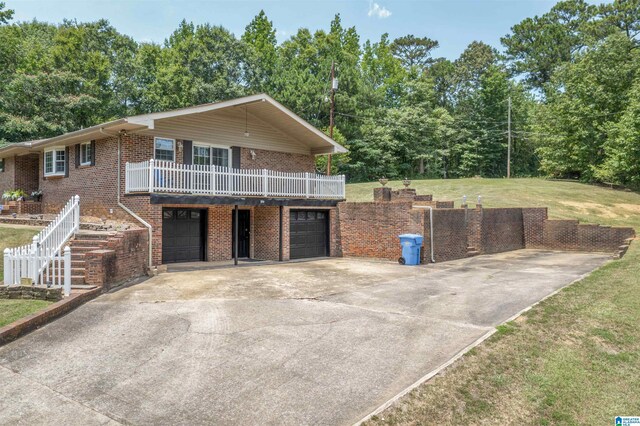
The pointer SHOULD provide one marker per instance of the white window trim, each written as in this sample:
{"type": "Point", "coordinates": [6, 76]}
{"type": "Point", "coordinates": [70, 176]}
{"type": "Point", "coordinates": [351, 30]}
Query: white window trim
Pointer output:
{"type": "Point", "coordinates": [211, 145]}
{"type": "Point", "coordinates": [173, 141]}
{"type": "Point", "coordinates": [85, 163]}
{"type": "Point", "coordinates": [55, 171]}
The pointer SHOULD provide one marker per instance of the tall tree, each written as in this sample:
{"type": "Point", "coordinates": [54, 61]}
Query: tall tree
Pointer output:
{"type": "Point", "coordinates": [414, 51]}
{"type": "Point", "coordinates": [5, 14]}
{"type": "Point", "coordinates": [260, 35]}
{"type": "Point", "coordinates": [538, 46]}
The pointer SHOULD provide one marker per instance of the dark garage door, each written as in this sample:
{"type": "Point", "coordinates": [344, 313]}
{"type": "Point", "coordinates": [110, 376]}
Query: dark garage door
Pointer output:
{"type": "Point", "coordinates": [183, 232]}
{"type": "Point", "coordinates": [308, 234]}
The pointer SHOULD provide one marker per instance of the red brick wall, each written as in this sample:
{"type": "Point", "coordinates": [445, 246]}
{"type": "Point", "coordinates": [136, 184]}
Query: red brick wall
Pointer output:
{"type": "Point", "coordinates": [96, 185]}
{"type": "Point", "coordinates": [449, 235]}
{"type": "Point", "coordinates": [502, 230]}
{"type": "Point", "coordinates": [8, 177]}
{"type": "Point", "coordinates": [278, 161]}
{"type": "Point", "coordinates": [533, 219]}
{"type": "Point", "coordinates": [124, 259]}
{"type": "Point", "coordinates": [219, 239]}
{"type": "Point", "coordinates": [266, 232]}
{"type": "Point", "coordinates": [27, 173]}
{"type": "Point", "coordinates": [372, 229]}
{"type": "Point", "coordinates": [29, 207]}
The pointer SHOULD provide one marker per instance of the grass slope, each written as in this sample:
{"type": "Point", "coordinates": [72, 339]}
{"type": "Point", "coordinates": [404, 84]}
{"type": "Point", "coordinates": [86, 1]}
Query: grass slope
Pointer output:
{"type": "Point", "coordinates": [13, 236]}
{"type": "Point", "coordinates": [566, 200]}
{"type": "Point", "coordinates": [573, 359]}
{"type": "Point", "coordinates": [11, 310]}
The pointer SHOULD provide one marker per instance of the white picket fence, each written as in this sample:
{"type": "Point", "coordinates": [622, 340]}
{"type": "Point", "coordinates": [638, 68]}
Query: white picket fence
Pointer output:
{"type": "Point", "coordinates": [167, 176]}
{"type": "Point", "coordinates": [46, 260]}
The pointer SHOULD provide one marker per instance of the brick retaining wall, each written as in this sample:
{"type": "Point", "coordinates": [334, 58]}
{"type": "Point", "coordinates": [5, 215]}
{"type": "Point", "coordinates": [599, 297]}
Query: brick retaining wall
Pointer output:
{"type": "Point", "coordinates": [372, 229]}
{"type": "Point", "coordinates": [124, 259]}
{"type": "Point", "coordinates": [449, 235]}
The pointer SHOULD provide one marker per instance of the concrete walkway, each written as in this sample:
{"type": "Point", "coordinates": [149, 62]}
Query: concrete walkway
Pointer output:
{"type": "Point", "coordinates": [322, 342]}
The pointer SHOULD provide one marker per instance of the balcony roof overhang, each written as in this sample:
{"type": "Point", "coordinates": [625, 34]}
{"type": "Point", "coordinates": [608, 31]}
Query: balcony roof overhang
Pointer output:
{"type": "Point", "coordinates": [270, 111]}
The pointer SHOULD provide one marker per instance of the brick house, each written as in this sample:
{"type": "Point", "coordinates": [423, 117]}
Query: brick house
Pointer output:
{"type": "Point", "coordinates": [233, 179]}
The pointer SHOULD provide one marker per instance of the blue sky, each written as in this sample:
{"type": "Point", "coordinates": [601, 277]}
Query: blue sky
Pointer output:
{"type": "Point", "coordinates": [454, 23]}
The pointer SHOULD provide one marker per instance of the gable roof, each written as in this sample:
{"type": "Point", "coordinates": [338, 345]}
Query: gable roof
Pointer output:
{"type": "Point", "coordinates": [270, 111]}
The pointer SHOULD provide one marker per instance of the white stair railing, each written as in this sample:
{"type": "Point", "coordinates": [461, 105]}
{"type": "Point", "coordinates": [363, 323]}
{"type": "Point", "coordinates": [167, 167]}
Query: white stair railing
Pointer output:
{"type": "Point", "coordinates": [46, 260]}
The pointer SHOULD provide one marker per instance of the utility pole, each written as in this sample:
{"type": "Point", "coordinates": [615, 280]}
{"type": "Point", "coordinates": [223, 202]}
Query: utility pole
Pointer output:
{"type": "Point", "coordinates": [509, 140]}
{"type": "Point", "coordinates": [334, 86]}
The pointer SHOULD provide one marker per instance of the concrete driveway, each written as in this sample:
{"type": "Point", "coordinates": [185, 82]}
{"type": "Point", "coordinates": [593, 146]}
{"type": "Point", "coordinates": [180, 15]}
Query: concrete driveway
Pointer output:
{"type": "Point", "coordinates": [320, 342]}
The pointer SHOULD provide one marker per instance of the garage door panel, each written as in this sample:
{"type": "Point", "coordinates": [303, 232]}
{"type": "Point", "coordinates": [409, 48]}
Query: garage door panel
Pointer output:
{"type": "Point", "coordinates": [182, 235]}
{"type": "Point", "coordinates": [308, 234]}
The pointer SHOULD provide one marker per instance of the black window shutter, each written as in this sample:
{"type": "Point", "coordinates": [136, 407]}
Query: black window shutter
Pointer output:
{"type": "Point", "coordinates": [66, 159]}
{"type": "Point", "coordinates": [93, 153]}
{"type": "Point", "coordinates": [187, 152]}
{"type": "Point", "coordinates": [77, 155]}
{"type": "Point", "coordinates": [235, 157]}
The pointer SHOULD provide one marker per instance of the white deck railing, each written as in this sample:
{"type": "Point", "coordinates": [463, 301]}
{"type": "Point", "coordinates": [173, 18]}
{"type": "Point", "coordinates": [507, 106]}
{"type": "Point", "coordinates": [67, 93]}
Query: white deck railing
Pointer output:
{"type": "Point", "coordinates": [43, 259]}
{"type": "Point", "coordinates": [167, 176]}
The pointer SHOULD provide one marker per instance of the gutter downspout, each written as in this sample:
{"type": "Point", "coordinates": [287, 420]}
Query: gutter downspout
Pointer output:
{"type": "Point", "coordinates": [433, 260]}
{"type": "Point", "coordinates": [127, 209]}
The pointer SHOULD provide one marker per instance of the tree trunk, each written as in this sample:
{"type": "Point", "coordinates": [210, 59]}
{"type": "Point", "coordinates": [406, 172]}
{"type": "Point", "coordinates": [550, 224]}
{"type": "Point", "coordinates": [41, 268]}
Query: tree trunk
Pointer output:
{"type": "Point", "coordinates": [421, 170]}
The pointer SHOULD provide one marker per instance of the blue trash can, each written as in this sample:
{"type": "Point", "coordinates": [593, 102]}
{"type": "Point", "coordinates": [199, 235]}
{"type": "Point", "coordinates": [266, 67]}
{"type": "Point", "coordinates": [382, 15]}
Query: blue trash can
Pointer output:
{"type": "Point", "coordinates": [410, 244]}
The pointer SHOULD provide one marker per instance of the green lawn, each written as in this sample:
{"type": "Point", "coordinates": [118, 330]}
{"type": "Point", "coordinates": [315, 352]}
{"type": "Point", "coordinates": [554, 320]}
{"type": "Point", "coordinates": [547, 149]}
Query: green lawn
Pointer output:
{"type": "Point", "coordinates": [13, 309]}
{"type": "Point", "coordinates": [13, 236]}
{"type": "Point", "coordinates": [566, 200]}
{"type": "Point", "coordinates": [573, 359]}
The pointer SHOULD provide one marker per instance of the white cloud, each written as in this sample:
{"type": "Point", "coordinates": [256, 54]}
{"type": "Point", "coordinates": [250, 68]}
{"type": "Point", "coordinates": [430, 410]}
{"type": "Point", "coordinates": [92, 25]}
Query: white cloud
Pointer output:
{"type": "Point", "coordinates": [380, 11]}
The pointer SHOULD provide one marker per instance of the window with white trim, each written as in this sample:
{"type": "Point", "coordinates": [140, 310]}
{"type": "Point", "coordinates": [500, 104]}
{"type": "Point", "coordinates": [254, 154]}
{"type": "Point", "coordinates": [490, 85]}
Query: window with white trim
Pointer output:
{"type": "Point", "coordinates": [165, 149]}
{"type": "Point", "coordinates": [55, 162]}
{"type": "Point", "coordinates": [211, 155]}
{"type": "Point", "coordinates": [86, 154]}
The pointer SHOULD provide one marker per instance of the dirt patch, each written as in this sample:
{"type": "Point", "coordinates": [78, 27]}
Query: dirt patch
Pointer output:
{"type": "Point", "coordinates": [609, 212]}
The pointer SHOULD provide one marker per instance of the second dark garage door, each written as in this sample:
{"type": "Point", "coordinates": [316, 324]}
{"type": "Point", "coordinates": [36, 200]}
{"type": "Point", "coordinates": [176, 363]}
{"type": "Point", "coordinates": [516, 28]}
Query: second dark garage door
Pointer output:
{"type": "Point", "coordinates": [183, 232]}
{"type": "Point", "coordinates": [308, 234]}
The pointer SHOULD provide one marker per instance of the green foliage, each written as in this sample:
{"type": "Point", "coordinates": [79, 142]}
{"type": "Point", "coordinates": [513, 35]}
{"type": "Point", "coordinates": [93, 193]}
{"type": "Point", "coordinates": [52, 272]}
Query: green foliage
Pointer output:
{"type": "Point", "coordinates": [5, 15]}
{"type": "Point", "coordinates": [571, 75]}
{"type": "Point", "coordinates": [14, 195]}
{"type": "Point", "coordinates": [414, 51]}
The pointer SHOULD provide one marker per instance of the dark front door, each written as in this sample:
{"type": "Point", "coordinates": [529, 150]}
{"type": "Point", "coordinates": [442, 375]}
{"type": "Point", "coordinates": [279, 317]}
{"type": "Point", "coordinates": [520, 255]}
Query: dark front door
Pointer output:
{"type": "Point", "coordinates": [309, 233]}
{"type": "Point", "coordinates": [244, 232]}
{"type": "Point", "coordinates": [183, 232]}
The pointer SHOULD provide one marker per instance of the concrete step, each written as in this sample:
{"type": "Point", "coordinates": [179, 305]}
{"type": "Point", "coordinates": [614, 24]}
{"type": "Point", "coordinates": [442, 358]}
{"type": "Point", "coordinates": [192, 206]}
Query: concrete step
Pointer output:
{"type": "Point", "coordinates": [77, 279]}
{"type": "Point", "coordinates": [83, 249]}
{"type": "Point", "coordinates": [78, 263]}
{"type": "Point", "coordinates": [77, 270]}
{"type": "Point", "coordinates": [472, 253]}
{"type": "Point", "coordinates": [94, 235]}
{"type": "Point", "coordinates": [89, 243]}
{"type": "Point", "coordinates": [82, 287]}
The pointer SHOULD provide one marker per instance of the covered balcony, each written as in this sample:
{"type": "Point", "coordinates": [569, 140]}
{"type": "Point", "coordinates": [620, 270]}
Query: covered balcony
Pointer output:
{"type": "Point", "coordinates": [156, 176]}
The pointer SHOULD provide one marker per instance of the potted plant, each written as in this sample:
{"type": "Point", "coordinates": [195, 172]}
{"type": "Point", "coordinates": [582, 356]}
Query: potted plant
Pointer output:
{"type": "Point", "coordinates": [13, 196]}
{"type": "Point", "coordinates": [37, 195]}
